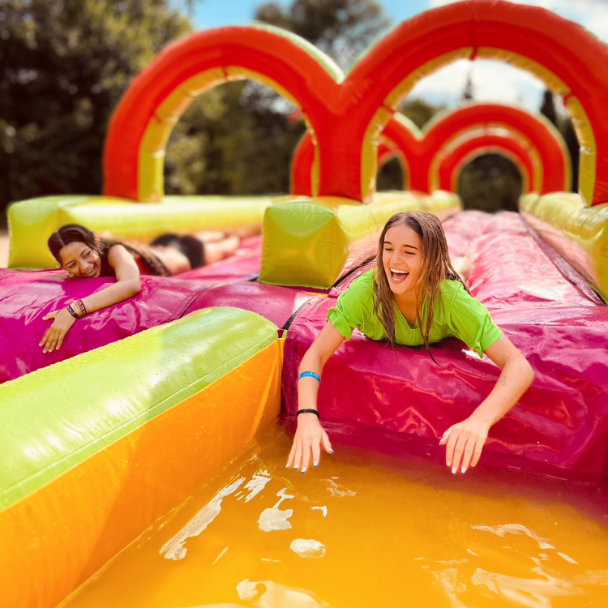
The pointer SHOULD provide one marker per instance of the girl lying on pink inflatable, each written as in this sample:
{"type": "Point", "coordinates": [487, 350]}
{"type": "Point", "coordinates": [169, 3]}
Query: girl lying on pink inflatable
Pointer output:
{"type": "Point", "coordinates": [412, 297]}
{"type": "Point", "coordinates": [83, 255]}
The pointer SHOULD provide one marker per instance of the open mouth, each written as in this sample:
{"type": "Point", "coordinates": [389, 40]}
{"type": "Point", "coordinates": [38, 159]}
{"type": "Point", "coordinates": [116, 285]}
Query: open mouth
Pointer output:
{"type": "Point", "coordinates": [398, 276]}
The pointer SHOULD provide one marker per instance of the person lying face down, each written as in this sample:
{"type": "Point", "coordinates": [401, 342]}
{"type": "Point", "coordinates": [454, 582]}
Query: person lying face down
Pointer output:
{"type": "Point", "coordinates": [83, 255]}
{"type": "Point", "coordinates": [412, 297]}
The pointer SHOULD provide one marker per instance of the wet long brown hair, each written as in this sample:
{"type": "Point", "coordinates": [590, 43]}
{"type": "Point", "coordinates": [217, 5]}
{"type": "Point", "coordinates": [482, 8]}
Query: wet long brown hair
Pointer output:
{"type": "Point", "coordinates": [436, 267]}
{"type": "Point", "coordinates": [75, 233]}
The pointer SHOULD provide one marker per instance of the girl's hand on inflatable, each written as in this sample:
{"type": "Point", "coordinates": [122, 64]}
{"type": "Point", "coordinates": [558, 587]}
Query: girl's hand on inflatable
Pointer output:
{"type": "Point", "coordinates": [307, 441]}
{"type": "Point", "coordinates": [53, 338]}
{"type": "Point", "coordinates": [465, 442]}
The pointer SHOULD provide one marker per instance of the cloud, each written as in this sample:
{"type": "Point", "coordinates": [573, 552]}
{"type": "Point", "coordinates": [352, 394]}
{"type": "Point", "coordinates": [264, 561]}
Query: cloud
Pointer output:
{"type": "Point", "coordinates": [496, 81]}
{"type": "Point", "coordinates": [492, 81]}
{"type": "Point", "coordinates": [591, 14]}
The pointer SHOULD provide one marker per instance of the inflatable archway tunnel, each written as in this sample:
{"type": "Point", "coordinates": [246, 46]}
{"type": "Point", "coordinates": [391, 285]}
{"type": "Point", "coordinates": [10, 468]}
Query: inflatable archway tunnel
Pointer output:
{"type": "Point", "coordinates": [459, 151]}
{"type": "Point", "coordinates": [532, 142]}
{"type": "Point", "coordinates": [346, 114]}
{"type": "Point", "coordinates": [99, 446]}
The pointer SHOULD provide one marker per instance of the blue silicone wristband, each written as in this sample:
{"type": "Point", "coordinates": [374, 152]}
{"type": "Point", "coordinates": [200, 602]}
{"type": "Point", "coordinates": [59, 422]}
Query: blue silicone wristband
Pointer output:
{"type": "Point", "coordinates": [309, 375]}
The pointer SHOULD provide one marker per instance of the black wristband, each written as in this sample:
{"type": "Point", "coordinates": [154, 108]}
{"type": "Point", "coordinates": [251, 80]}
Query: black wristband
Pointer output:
{"type": "Point", "coordinates": [72, 311]}
{"type": "Point", "coordinates": [308, 412]}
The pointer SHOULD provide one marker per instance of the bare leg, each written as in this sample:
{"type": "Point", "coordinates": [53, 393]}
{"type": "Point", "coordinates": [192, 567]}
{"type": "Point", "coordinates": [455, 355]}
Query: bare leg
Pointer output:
{"type": "Point", "coordinates": [173, 259]}
{"type": "Point", "coordinates": [211, 236]}
{"type": "Point", "coordinates": [246, 231]}
{"type": "Point", "coordinates": [216, 251]}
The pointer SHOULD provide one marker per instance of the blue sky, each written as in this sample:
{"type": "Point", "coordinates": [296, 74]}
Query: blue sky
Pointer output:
{"type": "Point", "coordinates": [216, 13]}
{"type": "Point", "coordinates": [492, 81]}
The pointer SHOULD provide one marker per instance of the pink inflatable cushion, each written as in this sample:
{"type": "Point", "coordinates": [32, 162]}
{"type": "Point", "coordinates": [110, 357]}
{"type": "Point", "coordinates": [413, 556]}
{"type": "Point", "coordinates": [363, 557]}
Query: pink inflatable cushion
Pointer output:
{"type": "Point", "coordinates": [375, 396]}
{"type": "Point", "coordinates": [28, 296]}
{"type": "Point", "coordinates": [277, 304]}
{"type": "Point", "coordinates": [243, 265]}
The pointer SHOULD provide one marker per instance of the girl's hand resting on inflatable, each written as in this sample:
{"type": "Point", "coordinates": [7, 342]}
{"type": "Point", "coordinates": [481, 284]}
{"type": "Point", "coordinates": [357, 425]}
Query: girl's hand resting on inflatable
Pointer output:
{"type": "Point", "coordinates": [307, 441]}
{"type": "Point", "coordinates": [464, 442]}
{"type": "Point", "coordinates": [53, 338]}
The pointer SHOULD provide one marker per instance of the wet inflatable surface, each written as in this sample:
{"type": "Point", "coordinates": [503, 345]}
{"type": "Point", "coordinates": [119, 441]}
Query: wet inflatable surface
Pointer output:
{"type": "Point", "coordinates": [562, 420]}
{"type": "Point", "coordinates": [368, 390]}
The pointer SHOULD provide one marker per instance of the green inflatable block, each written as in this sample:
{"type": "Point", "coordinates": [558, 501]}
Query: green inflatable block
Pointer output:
{"type": "Point", "coordinates": [313, 242]}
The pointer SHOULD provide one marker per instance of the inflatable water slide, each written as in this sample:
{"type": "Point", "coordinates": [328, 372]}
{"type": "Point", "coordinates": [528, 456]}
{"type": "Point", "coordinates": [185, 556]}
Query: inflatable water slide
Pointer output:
{"type": "Point", "coordinates": [149, 398]}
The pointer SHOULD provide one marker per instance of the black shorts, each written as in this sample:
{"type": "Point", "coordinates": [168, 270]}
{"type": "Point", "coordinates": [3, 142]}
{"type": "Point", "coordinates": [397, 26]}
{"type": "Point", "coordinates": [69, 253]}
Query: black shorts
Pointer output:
{"type": "Point", "coordinates": [190, 246]}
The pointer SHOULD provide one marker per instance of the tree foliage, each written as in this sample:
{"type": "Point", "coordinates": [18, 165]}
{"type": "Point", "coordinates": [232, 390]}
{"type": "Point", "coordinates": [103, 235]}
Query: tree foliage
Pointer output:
{"type": "Point", "coordinates": [341, 28]}
{"type": "Point", "coordinates": [390, 175]}
{"type": "Point", "coordinates": [565, 126]}
{"type": "Point", "coordinates": [231, 142]}
{"type": "Point", "coordinates": [547, 107]}
{"type": "Point", "coordinates": [63, 67]}
{"type": "Point", "coordinates": [490, 183]}
{"type": "Point", "coordinates": [419, 111]}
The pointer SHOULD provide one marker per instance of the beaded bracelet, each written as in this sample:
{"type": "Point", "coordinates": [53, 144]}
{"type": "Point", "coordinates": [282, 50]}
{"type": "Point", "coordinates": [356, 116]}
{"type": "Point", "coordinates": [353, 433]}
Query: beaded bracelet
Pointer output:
{"type": "Point", "coordinates": [83, 309]}
{"type": "Point", "coordinates": [309, 375]}
{"type": "Point", "coordinates": [72, 312]}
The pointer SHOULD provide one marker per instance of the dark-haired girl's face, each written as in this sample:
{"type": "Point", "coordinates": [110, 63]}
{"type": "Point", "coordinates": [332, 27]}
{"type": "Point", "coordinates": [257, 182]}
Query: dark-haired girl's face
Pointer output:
{"type": "Point", "coordinates": [402, 258]}
{"type": "Point", "coordinates": [80, 261]}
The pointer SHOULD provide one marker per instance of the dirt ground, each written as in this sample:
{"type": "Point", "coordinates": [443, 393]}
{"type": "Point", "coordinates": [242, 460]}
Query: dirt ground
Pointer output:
{"type": "Point", "coordinates": [3, 248]}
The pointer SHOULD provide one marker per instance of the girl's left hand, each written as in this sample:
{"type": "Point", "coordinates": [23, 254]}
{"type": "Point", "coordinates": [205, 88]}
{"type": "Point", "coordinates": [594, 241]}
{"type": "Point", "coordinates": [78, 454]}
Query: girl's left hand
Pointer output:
{"type": "Point", "coordinates": [53, 338]}
{"type": "Point", "coordinates": [465, 441]}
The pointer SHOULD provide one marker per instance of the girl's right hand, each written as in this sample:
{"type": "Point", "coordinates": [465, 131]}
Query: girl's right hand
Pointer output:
{"type": "Point", "coordinates": [55, 334]}
{"type": "Point", "coordinates": [307, 441]}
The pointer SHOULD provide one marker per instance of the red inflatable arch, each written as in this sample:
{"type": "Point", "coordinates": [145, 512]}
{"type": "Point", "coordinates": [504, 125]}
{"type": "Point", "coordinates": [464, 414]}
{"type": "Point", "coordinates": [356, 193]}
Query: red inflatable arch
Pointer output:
{"type": "Point", "coordinates": [140, 127]}
{"type": "Point", "coordinates": [530, 141]}
{"type": "Point", "coordinates": [450, 161]}
{"type": "Point", "coordinates": [567, 58]}
{"type": "Point", "coordinates": [347, 115]}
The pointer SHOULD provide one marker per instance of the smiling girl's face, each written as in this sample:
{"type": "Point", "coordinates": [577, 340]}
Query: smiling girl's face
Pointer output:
{"type": "Point", "coordinates": [80, 260]}
{"type": "Point", "coordinates": [402, 258]}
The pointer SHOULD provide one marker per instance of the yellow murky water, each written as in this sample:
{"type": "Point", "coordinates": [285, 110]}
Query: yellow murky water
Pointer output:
{"type": "Point", "coordinates": [361, 531]}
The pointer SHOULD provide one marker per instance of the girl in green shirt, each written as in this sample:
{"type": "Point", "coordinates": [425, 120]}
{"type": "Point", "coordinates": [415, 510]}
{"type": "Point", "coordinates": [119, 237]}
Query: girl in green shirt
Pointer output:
{"type": "Point", "coordinates": [412, 297]}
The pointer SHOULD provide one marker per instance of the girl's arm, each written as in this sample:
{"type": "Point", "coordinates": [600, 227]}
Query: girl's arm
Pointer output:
{"type": "Point", "coordinates": [127, 285]}
{"type": "Point", "coordinates": [309, 434]}
{"type": "Point", "coordinates": [466, 439]}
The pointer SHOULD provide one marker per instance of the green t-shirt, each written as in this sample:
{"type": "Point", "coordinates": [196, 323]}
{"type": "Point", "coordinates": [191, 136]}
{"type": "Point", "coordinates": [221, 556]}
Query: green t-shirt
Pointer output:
{"type": "Point", "coordinates": [457, 315]}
